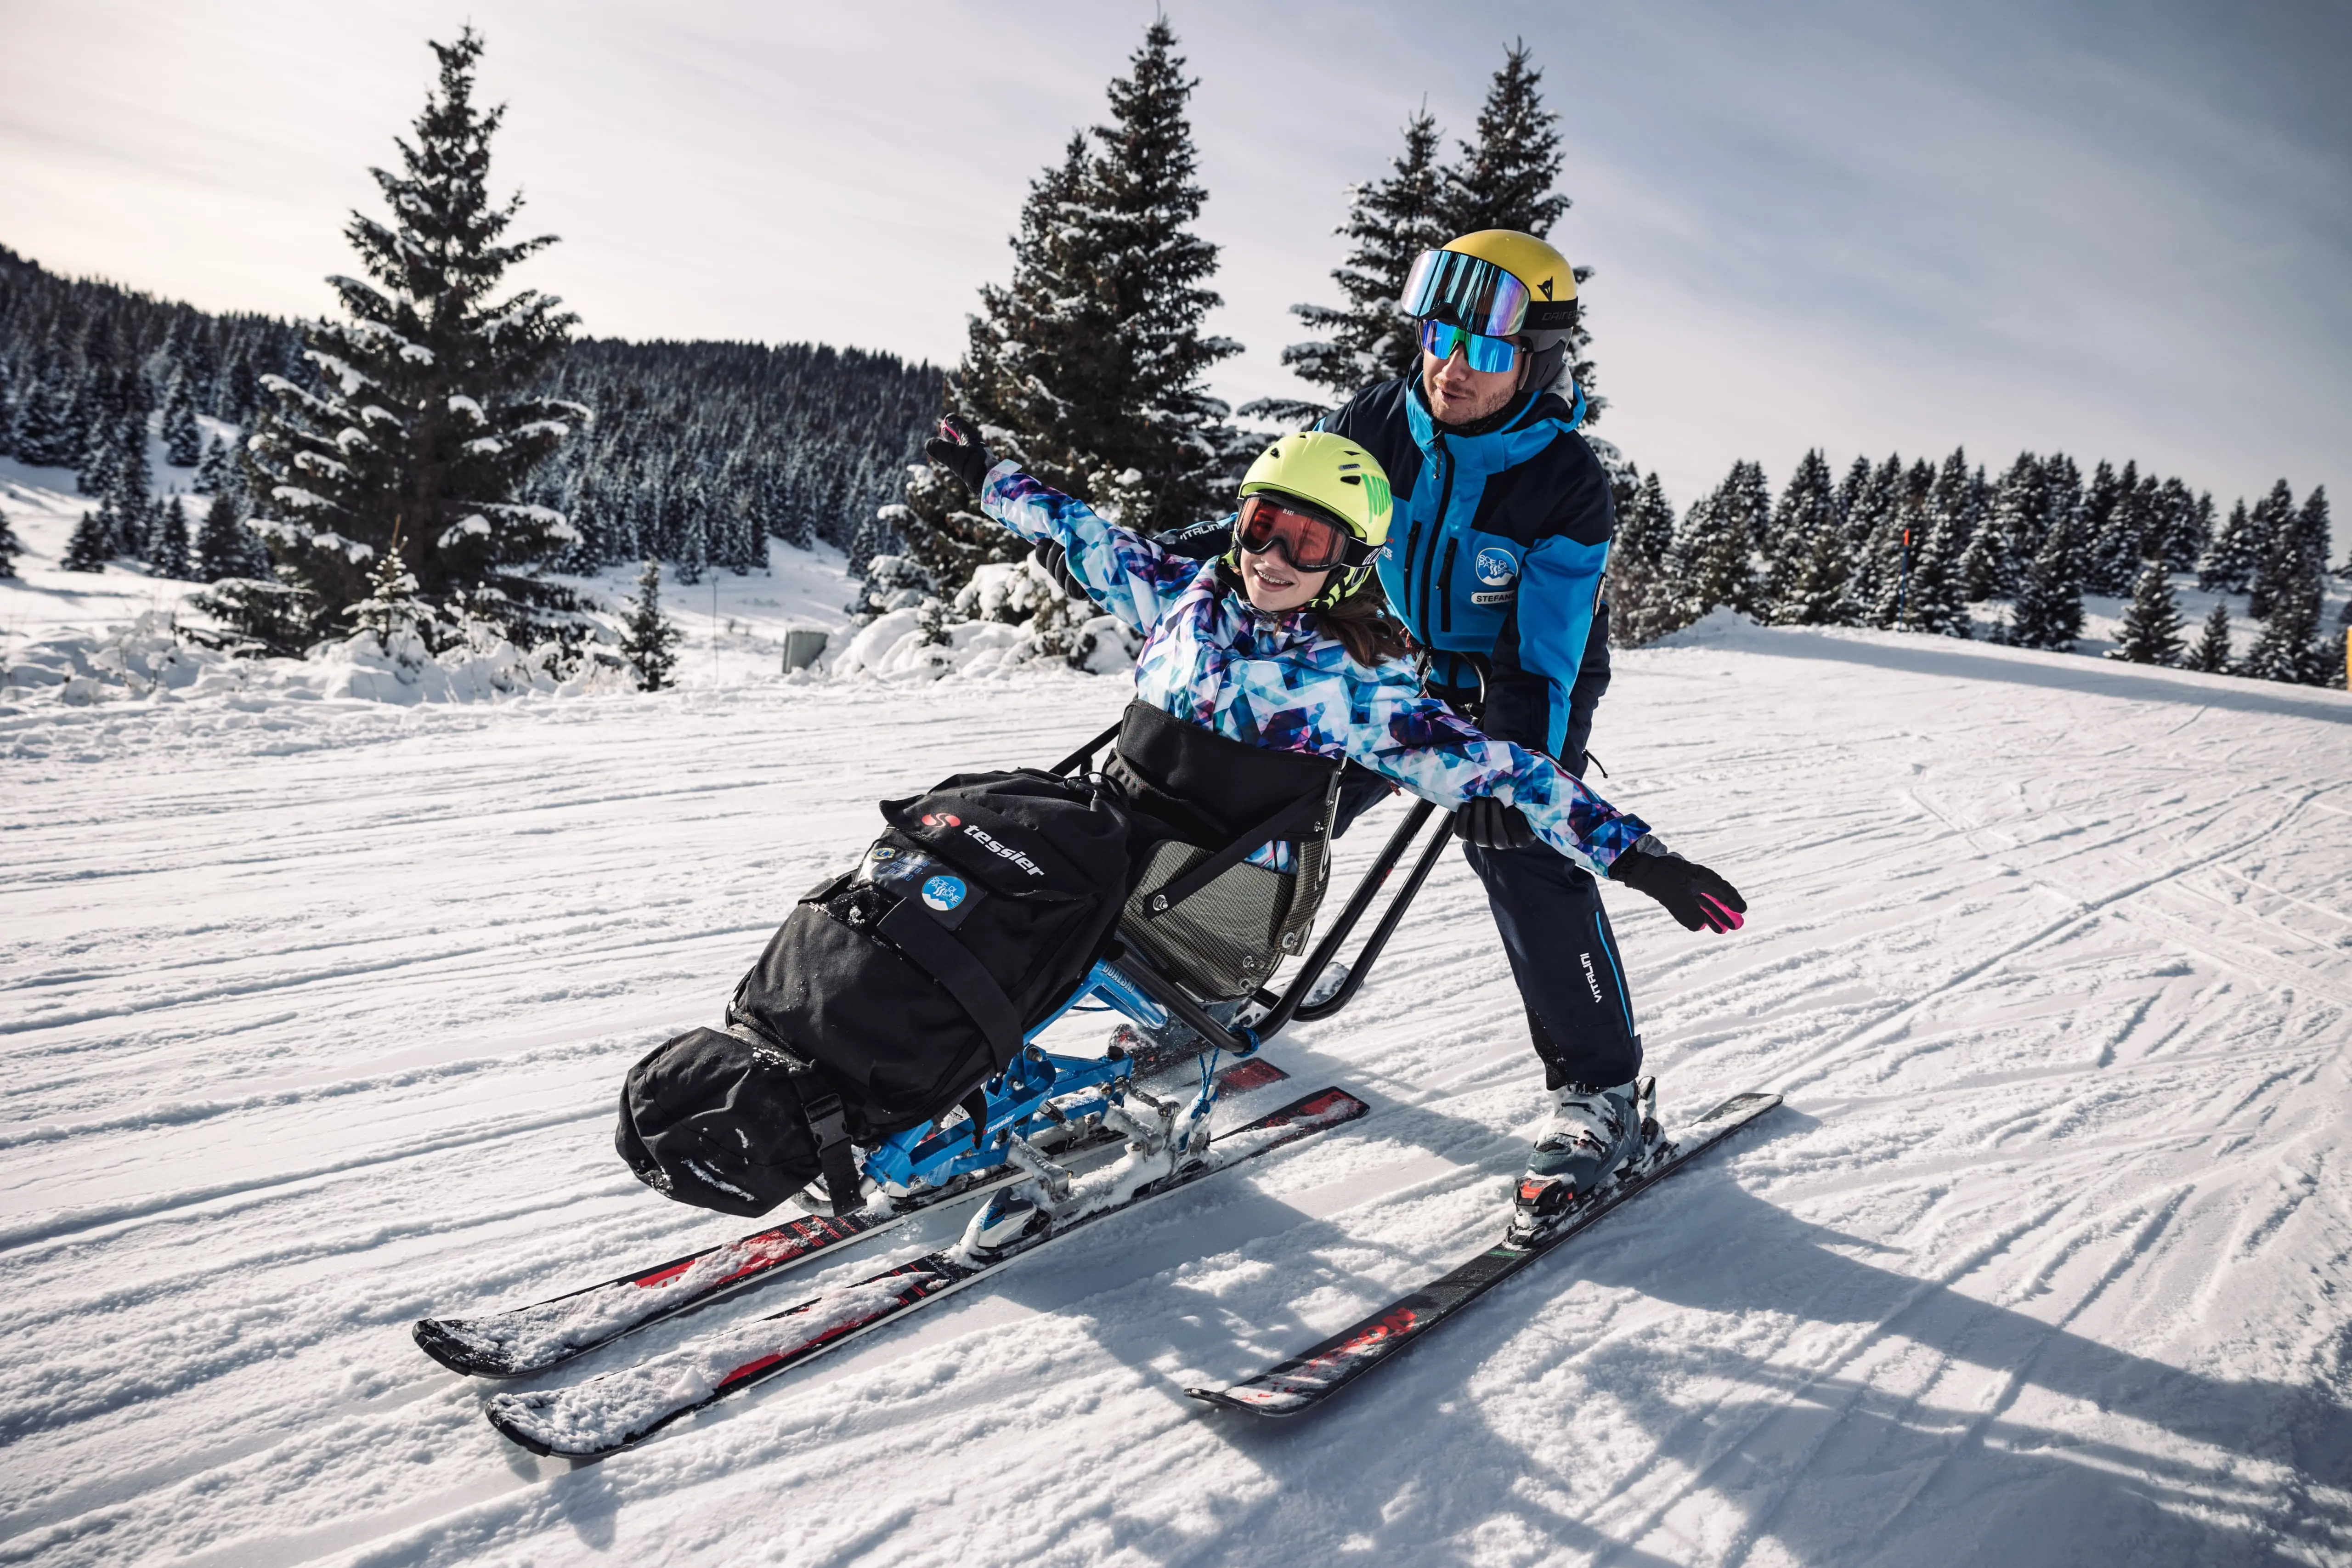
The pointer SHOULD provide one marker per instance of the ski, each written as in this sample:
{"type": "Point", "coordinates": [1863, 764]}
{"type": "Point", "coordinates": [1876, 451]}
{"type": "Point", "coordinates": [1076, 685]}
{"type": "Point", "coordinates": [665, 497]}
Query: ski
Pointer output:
{"type": "Point", "coordinates": [1306, 1380]}
{"type": "Point", "coordinates": [544, 1334]}
{"type": "Point", "coordinates": [620, 1407]}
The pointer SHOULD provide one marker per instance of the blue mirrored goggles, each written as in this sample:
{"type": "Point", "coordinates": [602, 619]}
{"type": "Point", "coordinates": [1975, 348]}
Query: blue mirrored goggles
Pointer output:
{"type": "Point", "coordinates": [1467, 290]}
{"type": "Point", "coordinates": [1442, 338]}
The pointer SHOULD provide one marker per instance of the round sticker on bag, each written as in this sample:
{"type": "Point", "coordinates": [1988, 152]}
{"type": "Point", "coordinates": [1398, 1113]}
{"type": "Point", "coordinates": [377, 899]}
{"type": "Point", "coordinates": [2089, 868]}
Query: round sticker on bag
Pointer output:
{"type": "Point", "coordinates": [943, 893]}
{"type": "Point", "coordinates": [1497, 567]}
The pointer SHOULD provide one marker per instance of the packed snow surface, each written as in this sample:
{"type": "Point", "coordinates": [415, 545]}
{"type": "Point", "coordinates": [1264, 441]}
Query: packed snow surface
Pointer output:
{"type": "Point", "coordinates": [316, 1011]}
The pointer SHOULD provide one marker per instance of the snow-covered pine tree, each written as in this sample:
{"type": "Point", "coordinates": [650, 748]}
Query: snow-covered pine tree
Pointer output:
{"type": "Point", "coordinates": [2179, 524]}
{"type": "Point", "coordinates": [1815, 593]}
{"type": "Point", "coordinates": [92, 544]}
{"type": "Point", "coordinates": [421, 429]}
{"type": "Point", "coordinates": [1873, 527]}
{"type": "Point", "coordinates": [2150, 632]}
{"type": "Point", "coordinates": [2290, 647]}
{"type": "Point", "coordinates": [215, 470]}
{"type": "Point", "coordinates": [1088, 367]}
{"type": "Point", "coordinates": [649, 640]}
{"type": "Point", "coordinates": [2113, 525]}
{"type": "Point", "coordinates": [1939, 603]}
{"type": "Point", "coordinates": [1391, 221]}
{"type": "Point", "coordinates": [2048, 610]}
{"type": "Point", "coordinates": [11, 547]}
{"type": "Point", "coordinates": [392, 612]}
{"type": "Point", "coordinates": [2020, 516]}
{"type": "Point", "coordinates": [2061, 484]}
{"type": "Point", "coordinates": [2274, 554]}
{"type": "Point", "coordinates": [167, 540]}
{"type": "Point", "coordinates": [128, 496]}
{"type": "Point", "coordinates": [1505, 179]}
{"type": "Point", "coordinates": [1810, 496]}
{"type": "Point", "coordinates": [2212, 653]}
{"type": "Point", "coordinates": [1645, 524]}
{"type": "Point", "coordinates": [2229, 558]}
{"type": "Point", "coordinates": [224, 546]}
{"type": "Point", "coordinates": [183, 440]}
{"type": "Point", "coordinates": [1711, 561]}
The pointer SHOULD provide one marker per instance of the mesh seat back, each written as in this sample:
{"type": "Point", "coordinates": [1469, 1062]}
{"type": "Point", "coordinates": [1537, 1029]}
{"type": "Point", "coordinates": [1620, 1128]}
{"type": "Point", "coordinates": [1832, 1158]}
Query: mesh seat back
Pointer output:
{"type": "Point", "coordinates": [1206, 792]}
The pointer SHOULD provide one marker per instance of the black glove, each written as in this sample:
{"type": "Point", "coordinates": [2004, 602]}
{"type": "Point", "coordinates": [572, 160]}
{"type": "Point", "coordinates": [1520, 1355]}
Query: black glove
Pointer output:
{"type": "Point", "coordinates": [1057, 562]}
{"type": "Point", "coordinates": [958, 449]}
{"type": "Point", "coordinates": [1491, 824]}
{"type": "Point", "coordinates": [1691, 894]}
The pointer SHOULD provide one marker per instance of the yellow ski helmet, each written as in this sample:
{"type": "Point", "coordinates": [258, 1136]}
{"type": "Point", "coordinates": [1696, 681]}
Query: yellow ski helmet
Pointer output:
{"type": "Point", "coordinates": [1500, 283]}
{"type": "Point", "coordinates": [1331, 476]}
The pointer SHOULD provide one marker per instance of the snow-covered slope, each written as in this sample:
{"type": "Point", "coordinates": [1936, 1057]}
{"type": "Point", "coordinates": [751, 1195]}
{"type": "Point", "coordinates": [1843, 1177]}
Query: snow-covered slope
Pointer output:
{"type": "Point", "coordinates": [314, 1017]}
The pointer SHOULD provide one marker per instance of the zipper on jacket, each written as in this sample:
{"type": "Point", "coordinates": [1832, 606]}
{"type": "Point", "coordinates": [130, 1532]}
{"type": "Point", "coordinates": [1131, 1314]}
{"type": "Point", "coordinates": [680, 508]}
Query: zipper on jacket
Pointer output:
{"type": "Point", "coordinates": [1445, 587]}
{"type": "Point", "coordinates": [1437, 524]}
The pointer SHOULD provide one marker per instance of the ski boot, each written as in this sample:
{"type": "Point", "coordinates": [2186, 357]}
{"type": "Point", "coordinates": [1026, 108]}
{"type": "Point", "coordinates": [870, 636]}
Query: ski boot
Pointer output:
{"type": "Point", "coordinates": [1594, 1136]}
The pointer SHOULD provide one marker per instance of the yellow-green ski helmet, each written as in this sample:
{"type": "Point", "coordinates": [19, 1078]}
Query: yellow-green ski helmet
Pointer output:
{"type": "Point", "coordinates": [1332, 478]}
{"type": "Point", "coordinates": [1500, 283]}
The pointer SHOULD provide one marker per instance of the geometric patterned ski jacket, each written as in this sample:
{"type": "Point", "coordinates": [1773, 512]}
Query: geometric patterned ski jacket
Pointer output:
{"type": "Point", "coordinates": [1211, 658]}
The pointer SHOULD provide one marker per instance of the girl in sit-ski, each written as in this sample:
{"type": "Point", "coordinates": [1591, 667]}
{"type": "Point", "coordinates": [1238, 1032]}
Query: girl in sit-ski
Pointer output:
{"type": "Point", "coordinates": [1284, 642]}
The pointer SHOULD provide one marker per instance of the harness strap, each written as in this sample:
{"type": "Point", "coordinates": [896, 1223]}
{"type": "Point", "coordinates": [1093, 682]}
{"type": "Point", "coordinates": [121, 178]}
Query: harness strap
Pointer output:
{"type": "Point", "coordinates": [1300, 819]}
{"type": "Point", "coordinates": [947, 961]}
{"type": "Point", "coordinates": [836, 1155]}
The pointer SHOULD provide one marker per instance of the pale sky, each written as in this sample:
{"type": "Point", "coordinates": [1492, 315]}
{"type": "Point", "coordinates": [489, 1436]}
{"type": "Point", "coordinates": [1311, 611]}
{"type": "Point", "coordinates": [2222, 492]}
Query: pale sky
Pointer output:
{"type": "Point", "coordinates": [2120, 230]}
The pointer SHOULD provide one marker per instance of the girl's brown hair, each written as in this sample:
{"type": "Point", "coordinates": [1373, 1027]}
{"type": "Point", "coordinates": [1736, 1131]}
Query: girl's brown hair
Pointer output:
{"type": "Point", "coordinates": [1363, 624]}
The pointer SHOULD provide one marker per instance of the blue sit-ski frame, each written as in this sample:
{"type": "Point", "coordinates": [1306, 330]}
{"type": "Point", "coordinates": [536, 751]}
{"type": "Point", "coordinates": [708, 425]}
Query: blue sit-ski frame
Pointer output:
{"type": "Point", "coordinates": [1033, 1094]}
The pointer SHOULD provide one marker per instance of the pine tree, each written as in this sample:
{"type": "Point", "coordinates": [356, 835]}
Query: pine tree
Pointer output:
{"type": "Point", "coordinates": [2048, 611]}
{"type": "Point", "coordinates": [2212, 653]}
{"type": "Point", "coordinates": [215, 472]}
{"type": "Point", "coordinates": [1088, 367]}
{"type": "Point", "coordinates": [392, 612]}
{"type": "Point", "coordinates": [420, 429]}
{"type": "Point", "coordinates": [11, 547]}
{"type": "Point", "coordinates": [91, 545]}
{"type": "Point", "coordinates": [183, 441]}
{"type": "Point", "coordinates": [2020, 516]}
{"type": "Point", "coordinates": [167, 540]}
{"type": "Point", "coordinates": [1873, 528]}
{"type": "Point", "coordinates": [649, 640]}
{"type": "Point", "coordinates": [1815, 593]}
{"type": "Point", "coordinates": [1391, 221]}
{"type": "Point", "coordinates": [2229, 558]}
{"type": "Point", "coordinates": [1645, 524]}
{"type": "Point", "coordinates": [2179, 525]}
{"type": "Point", "coordinates": [1504, 180]}
{"type": "Point", "coordinates": [1711, 562]}
{"type": "Point", "coordinates": [224, 546]}
{"type": "Point", "coordinates": [2276, 557]}
{"type": "Point", "coordinates": [2290, 647]}
{"type": "Point", "coordinates": [2150, 633]}
{"type": "Point", "coordinates": [1810, 496]}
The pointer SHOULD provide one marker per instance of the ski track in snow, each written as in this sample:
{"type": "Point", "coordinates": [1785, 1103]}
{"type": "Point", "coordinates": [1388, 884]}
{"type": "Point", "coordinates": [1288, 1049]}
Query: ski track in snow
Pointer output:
{"type": "Point", "coordinates": [314, 1017]}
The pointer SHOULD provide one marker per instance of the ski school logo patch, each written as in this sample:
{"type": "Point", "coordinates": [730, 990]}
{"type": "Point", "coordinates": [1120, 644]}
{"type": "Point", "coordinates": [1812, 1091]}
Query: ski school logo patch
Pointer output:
{"type": "Point", "coordinates": [943, 893]}
{"type": "Point", "coordinates": [1495, 568]}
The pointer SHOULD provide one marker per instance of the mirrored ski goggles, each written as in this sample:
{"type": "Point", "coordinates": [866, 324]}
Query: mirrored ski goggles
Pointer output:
{"type": "Point", "coordinates": [1485, 353]}
{"type": "Point", "coordinates": [1469, 292]}
{"type": "Point", "coordinates": [1308, 542]}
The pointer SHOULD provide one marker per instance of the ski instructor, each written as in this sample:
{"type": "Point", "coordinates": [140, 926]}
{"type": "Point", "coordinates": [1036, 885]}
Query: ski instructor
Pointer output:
{"type": "Point", "coordinates": [1495, 561]}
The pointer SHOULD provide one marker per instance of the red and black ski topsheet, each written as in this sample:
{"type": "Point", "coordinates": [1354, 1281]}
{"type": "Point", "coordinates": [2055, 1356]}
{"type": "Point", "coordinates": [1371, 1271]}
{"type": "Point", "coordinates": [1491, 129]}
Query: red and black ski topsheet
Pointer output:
{"type": "Point", "coordinates": [619, 1408]}
{"type": "Point", "coordinates": [548, 1333]}
{"type": "Point", "coordinates": [1309, 1378]}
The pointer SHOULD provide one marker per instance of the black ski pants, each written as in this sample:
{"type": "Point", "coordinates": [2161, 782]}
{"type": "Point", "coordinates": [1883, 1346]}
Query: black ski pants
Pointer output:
{"type": "Point", "coordinates": [1564, 957]}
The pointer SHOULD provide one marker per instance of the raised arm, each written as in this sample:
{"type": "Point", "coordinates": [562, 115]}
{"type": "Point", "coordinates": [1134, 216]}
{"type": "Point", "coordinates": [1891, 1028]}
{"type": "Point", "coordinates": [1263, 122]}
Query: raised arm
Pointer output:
{"type": "Point", "coordinates": [1125, 573]}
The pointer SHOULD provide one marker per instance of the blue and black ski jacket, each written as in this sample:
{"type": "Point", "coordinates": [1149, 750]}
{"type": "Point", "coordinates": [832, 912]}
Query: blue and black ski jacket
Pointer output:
{"type": "Point", "coordinates": [1496, 554]}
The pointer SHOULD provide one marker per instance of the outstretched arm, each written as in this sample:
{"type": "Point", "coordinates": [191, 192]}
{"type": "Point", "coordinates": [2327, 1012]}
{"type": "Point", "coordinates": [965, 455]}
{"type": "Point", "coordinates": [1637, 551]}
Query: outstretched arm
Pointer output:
{"type": "Point", "coordinates": [1425, 746]}
{"type": "Point", "coordinates": [1124, 572]}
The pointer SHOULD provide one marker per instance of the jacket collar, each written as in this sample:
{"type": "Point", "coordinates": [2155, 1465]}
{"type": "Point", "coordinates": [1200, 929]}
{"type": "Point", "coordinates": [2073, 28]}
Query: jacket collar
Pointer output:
{"type": "Point", "coordinates": [1529, 409]}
